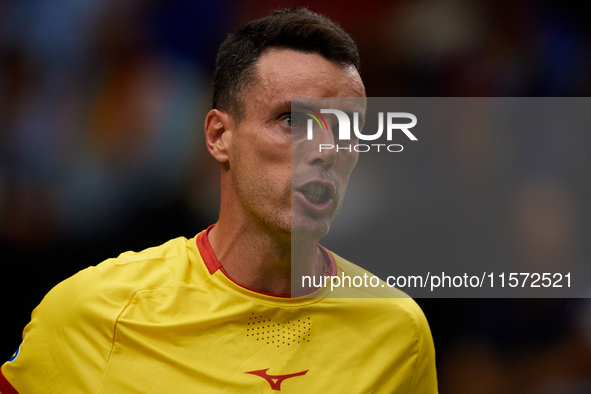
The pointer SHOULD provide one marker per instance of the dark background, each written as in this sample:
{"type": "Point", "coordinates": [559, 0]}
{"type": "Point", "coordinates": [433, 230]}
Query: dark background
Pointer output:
{"type": "Point", "coordinates": [101, 150]}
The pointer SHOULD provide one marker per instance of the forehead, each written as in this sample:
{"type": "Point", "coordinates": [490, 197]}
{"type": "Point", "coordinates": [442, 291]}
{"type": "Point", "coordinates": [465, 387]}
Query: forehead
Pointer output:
{"type": "Point", "coordinates": [285, 73]}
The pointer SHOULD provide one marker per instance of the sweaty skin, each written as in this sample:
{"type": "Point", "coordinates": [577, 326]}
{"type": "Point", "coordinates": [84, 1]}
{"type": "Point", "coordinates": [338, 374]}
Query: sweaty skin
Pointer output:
{"type": "Point", "coordinates": [264, 212]}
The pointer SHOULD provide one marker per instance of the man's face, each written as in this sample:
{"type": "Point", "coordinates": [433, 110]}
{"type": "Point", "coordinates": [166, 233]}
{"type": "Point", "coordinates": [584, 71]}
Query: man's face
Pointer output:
{"type": "Point", "coordinates": [295, 198]}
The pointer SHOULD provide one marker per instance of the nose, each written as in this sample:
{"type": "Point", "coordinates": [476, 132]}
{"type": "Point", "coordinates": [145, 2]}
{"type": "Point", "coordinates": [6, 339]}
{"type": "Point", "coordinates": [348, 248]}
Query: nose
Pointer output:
{"type": "Point", "coordinates": [325, 148]}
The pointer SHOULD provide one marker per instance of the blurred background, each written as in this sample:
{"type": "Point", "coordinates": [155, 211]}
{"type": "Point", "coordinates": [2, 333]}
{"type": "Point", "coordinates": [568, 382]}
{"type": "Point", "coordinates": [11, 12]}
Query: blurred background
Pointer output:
{"type": "Point", "coordinates": [102, 106]}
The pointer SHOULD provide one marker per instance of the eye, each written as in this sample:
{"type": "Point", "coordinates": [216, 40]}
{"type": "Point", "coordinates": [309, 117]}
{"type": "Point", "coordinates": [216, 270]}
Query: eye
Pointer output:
{"type": "Point", "coordinates": [290, 121]}
{"type": "Point", "coordinates": [293, 119]}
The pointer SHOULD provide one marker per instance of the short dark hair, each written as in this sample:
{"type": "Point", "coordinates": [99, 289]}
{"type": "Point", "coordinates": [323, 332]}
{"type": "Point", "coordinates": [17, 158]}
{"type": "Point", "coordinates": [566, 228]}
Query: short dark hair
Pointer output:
{"type": "Point", "coordinates": [295, 28]}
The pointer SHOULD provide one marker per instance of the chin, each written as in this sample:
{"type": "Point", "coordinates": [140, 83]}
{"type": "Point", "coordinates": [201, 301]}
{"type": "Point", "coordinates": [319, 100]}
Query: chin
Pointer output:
{"type": "Point", "coordinates": [309, 231]}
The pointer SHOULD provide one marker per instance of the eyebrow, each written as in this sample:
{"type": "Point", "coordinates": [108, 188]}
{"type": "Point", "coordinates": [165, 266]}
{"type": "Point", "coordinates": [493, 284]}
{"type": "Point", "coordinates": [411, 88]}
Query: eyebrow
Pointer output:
{"type": "Point", "coordinates": [304, 104]}
{"type": "Point", "coordinates": [298, 103]}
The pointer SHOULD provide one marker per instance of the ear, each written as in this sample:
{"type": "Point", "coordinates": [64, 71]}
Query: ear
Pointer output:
{"type": "Point", "coordinates": [218, 126]}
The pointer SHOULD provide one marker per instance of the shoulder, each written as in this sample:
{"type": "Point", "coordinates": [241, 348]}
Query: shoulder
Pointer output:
{"type": "Point", "coordinates": [369, 287]}
{"type": "Point", "coordinates": [101, 292]}
{"type": "Point", "coordinates": [132, 266]}
{"type": "Point", "coordinates": [399, 314]}
{"type": "Point", "coordinates": [73, 326]}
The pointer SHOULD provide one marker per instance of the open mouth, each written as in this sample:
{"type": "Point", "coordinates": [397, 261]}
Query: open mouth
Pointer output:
{"type": "Point", "coordinates": [316, 194]}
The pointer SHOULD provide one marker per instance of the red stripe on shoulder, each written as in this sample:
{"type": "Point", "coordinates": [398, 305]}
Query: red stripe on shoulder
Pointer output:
{"type": "Point", "coordinates": [5, 386]}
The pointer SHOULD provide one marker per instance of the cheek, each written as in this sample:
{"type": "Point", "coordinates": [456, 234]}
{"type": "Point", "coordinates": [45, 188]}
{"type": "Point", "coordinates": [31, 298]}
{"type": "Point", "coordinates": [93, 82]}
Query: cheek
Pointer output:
{"type": "Point", "coordinates": [270, 151]}
{"type": "Point", "coordinates": [264, 156]}
{"type": "Point", "coordinates": [274, 161]}
{"type": "Point", "coordinates": [346, 165]}
{"type": "Point", "coordinates": [271, 171]}
{"type": "Point", "coordinates": [261, 153]}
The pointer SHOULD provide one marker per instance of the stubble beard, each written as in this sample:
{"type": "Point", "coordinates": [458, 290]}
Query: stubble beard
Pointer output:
{"type": "Point", "coordinates": [272, 215]}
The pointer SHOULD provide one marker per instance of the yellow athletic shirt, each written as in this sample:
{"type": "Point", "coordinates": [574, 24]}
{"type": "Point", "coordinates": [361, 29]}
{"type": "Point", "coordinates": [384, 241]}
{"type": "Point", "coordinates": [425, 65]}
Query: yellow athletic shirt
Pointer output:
{"type": "Point", "coordinates": [169, 320]}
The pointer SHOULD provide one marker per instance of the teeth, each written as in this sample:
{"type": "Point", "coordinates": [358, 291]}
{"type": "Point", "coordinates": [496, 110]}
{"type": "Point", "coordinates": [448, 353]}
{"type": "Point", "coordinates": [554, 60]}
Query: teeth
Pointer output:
{"type": "Point", "coordinates": [315, 193]}
{"type": "Point", "coordinates": [316, 189]}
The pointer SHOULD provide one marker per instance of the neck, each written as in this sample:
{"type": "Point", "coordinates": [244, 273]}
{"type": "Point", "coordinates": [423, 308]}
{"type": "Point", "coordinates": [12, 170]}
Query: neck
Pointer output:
{"type": "Point", "coordinates": [256, 258]}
